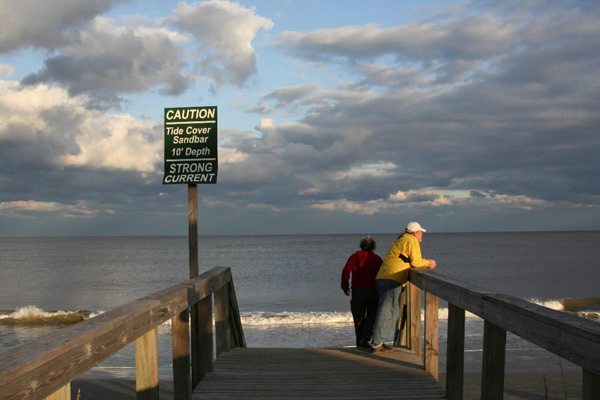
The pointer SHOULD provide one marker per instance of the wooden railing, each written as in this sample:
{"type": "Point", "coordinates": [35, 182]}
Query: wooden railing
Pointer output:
{"type": "Point", "coordinates": [44, 368]}
{"type": "Point", "coordinates": [570, 337]}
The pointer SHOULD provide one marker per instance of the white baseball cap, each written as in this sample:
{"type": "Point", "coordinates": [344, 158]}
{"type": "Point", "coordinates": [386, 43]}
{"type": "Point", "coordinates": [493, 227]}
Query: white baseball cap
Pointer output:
{"type": "Point", "coordinates": [413, 227]}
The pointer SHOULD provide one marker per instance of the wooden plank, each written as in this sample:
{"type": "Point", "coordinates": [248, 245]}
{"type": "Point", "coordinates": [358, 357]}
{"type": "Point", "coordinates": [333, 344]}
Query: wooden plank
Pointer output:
{"type": "Point", "coordinates": [570, 337]}
{"type": "Point", "coordinates": [333, 373]}
{"type": "Point", "coordinates": [180, 337]}
{"type": "Point", "coordinates": [591, 386]}
{"type": "Point", "coordinates": [416, 345]}
{"type": "Point", "coordinates": [193, 230]}
{"type": "Point", "coordinates": [207, 283]}
{"type": "Point", "coordinates": [202, 342]}
{"type": "Point", "coordinates": [64, 393]}
{"type": "Point", "coordinates": [146, 366]}
{"type": "Point", "coordinates": [402, 334]}
{"type": "Point", "coordinates": [455, 358]}
{"type": "Point", "coordinates": [494, 350]}
{"type": "Point", "coordinates": [432, 335]}
{"type": "Point", "coordinates": [235, 320]}
{"type": "Point", "coordinates": [40, 368]}
{"type": "Point", "coordinates": [222, 329]}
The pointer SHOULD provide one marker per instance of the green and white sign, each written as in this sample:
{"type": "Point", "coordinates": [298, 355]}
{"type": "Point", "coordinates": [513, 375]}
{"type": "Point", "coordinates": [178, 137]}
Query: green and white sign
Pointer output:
{"type": "Point", "coordinates": [190, 145]}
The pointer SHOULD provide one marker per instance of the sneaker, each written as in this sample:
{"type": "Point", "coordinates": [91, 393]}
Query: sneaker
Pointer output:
{"type": "Point", "coordinates": [381, 348]}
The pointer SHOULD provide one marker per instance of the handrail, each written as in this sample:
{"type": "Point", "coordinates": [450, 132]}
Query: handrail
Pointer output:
{"type": "Point", "coordinates": [570, 337]}
{"type": "Point", "coordinates": [44, 368]}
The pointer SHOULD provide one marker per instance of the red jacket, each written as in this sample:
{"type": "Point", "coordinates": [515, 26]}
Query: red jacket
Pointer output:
{"type": "Point", "coordinates": [364, 266]}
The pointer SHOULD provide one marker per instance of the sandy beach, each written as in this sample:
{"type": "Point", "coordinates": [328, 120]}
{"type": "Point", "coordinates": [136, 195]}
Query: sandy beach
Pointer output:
{"type": "Point", "coordinates": [522, 386]}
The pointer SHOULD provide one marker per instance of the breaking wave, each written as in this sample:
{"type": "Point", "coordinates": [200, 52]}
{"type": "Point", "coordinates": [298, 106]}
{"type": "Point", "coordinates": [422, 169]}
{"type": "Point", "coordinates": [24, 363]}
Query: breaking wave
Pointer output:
{"type": "Point", "coordinates": [32, 315]}
{"type": "Point", "coordinates": [588, 308]}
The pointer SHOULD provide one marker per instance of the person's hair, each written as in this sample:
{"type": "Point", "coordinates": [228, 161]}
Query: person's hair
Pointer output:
{"type": "Point", "coordinates": [367, 243]}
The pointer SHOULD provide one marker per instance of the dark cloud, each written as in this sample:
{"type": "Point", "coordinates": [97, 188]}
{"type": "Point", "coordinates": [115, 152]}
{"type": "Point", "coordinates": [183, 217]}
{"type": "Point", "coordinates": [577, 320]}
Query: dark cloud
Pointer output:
{"type": "Point", "coordinates": [110, 61]}
{"type": "Point", "coordinates": [483, 117]}
{"type": "Point", "coordinates": [47, 24]}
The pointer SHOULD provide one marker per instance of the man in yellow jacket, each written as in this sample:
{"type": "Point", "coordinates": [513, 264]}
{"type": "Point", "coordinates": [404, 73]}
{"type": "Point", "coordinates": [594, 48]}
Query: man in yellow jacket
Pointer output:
{"type": "Point", "coordinates": [391, 279]}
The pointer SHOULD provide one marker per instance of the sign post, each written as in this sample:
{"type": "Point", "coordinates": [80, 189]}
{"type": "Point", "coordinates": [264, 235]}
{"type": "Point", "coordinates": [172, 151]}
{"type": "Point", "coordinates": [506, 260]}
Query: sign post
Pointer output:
{"type": "Point", "coordinates": [191, 158]}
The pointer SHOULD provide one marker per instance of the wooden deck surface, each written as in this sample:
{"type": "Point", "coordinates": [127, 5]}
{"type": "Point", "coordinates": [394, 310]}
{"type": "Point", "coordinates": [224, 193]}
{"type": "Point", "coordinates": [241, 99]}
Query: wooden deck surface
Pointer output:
{"type": "Point", "coordinates": [332, 373]}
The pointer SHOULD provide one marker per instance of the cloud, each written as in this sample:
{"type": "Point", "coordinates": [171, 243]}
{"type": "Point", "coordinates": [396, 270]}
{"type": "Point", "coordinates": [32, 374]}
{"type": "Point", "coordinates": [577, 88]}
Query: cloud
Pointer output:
{"type": "Point", "coordinates": [46, 25]}
{"type": "Point", "coordinates": [110, 60]}
{"type": "Point", "coordinates": [6, 70]}
{"type": "Point", "coordinates": [479, 117]}
{"type": "Point", "coordinates": [520, 118]}
{"type": "Point", "coordinates": [44, 126]}
{"type": "Point", "coordinates": [106, 59]}
{"type": "Point", "coordinates": [448, 48]}
{"type": "Point", "coordinates": [224, 31]}
{"type": "Point", "coordinates": [32, 209]}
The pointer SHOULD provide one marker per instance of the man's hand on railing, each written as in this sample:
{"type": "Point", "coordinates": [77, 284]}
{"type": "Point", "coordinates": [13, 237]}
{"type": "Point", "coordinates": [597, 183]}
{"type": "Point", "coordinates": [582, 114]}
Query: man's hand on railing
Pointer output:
{"type": "Point", "coordinates": [432, 264]}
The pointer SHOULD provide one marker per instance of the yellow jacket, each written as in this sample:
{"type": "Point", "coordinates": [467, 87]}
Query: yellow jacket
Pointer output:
{"type": "Point", "coordinates": [404, 253]}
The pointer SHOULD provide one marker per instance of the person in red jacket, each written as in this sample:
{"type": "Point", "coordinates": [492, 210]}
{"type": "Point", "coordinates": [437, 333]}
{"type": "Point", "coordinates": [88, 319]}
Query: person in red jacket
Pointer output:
{"type": "Point", "coordinates": [363, 266]}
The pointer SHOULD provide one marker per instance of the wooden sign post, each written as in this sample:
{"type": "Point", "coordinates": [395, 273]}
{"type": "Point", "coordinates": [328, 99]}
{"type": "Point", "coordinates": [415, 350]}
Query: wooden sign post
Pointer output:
{"type": "Point", "coordinates": [191, 158]}
{"type": "Point", "coordinates": [193, 229]}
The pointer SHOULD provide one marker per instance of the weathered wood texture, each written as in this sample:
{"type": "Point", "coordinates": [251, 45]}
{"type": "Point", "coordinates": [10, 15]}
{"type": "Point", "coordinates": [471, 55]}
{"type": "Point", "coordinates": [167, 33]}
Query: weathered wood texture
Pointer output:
{"type": "Point", "coordinates": [492, 374]}
{"type": "Point", "coordinates": [40, 368]}
{"type": "Point", "coordinates": [146, 366]}
{"type": "Point", "coordinates": [432, 335]}
{"type": "Point", "coordinates": [455, 353]}
{"type": "Point", "coordinates": [570, 337]}
{"type": "Point", "coordinates": [317, 373]}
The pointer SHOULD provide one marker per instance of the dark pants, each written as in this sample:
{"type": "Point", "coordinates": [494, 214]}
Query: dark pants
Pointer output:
{"type": "Point", "coordinates": [363, 305]}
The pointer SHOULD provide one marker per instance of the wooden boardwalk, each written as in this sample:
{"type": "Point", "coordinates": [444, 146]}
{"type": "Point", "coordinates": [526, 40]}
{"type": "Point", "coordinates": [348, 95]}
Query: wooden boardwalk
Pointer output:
{"type": "Point", "coordinates": [332, 373]}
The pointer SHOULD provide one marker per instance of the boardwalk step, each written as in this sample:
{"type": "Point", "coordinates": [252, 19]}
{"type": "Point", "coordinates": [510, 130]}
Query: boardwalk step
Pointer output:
{"type": "Point", "coordinates": [333, 373]}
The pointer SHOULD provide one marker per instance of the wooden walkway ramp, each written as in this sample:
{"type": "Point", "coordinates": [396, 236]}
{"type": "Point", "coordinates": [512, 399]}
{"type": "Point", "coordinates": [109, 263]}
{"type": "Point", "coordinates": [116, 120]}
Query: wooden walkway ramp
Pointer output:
{"type": "Point", "coordinates": [332, 373]}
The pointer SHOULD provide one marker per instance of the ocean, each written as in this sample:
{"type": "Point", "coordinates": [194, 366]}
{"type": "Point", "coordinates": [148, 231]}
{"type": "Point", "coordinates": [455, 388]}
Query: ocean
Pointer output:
{"type": "Point", "coordinates": [288, 286]}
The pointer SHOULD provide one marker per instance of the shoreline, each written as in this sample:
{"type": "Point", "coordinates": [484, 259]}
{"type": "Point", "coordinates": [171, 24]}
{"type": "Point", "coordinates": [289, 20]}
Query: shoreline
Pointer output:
{"type": "Point", "coordinates": [517, 386]}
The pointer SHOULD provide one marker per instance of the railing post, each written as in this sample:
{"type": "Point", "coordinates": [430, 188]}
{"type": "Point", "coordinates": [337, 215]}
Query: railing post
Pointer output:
{"type": "Point", "coordinates": [222, 330]}
{"type": "Point", "coordinates": [64, 393]}
{"type": "Point", "coordinates": [202, 340]}
{"type": "Point", "coordinates": [416, 345]}
{"type": "Point", "coordinates": [494, 352]}
{"type": "Point", "coordinates": [235, 320]}
{"type": "Point", "coordinates": [146, 366]}
{"type": "Point", "coordinates": [432, 335]}
{"type": "Point", "coordinates": [182, 385]}
{"type": "Point", "coordinates": [455, 354]}
{"type": "Point", "coordinates": [402, 334]}
{"type": "Point", "coordinates": [591, 386]}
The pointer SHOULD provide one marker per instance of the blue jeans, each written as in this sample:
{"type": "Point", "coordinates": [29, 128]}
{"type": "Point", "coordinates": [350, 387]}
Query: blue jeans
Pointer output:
{"type": "Point", "coordinates": [388, 312]}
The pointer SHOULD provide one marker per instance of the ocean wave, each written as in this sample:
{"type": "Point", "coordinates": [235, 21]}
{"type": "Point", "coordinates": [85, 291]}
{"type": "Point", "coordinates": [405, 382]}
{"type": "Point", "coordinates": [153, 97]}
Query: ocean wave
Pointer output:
{"type": "Point", "coordinates": [588, 308]}
{"type": "Point", "coordinates": [32, 315]}
{"type": "Point", "coordinates": [259, 318]}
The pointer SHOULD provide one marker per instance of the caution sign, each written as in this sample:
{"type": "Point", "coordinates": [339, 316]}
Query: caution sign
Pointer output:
{"type": "Point", "coordinates": [190, 145]}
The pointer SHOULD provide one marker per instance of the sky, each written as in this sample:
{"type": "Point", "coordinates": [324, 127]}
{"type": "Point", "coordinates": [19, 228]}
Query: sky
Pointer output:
{"type": "Point", "coordinates": [333, 116]}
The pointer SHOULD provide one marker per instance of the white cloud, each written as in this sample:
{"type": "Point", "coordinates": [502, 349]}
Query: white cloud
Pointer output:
{"type": "Point", "coordinates": [50, 124]}
{"type": "Point", "coordinates": [6, 69]}
{"type": "Point", "coordinates": [225, 31]}
{"type": "Point", "coordinates": [32, 209]}
{"type": "Point", "coordinates": [118, 142]}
